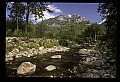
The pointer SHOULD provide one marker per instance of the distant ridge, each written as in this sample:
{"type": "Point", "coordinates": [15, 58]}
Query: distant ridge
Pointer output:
{"type": "Point", "coordinates": [63, 20]}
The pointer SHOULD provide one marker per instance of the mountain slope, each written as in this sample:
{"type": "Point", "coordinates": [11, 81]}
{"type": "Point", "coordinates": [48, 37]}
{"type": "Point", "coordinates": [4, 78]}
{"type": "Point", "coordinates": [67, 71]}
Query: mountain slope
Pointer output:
{"type": "Point", "coordinates": [63, 20]}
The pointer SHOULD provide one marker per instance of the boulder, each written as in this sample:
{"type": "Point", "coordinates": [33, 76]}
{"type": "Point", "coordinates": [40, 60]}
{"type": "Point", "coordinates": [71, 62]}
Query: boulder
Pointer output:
{"type": "Point", "coordinates": [50, 50]}
{"type": "Point", "coordinates": [86, 51]}
{"type": "Point", "coordinates": [41, 48]}
{"type": "Point", "coordinates": [90, 75]}
{"type": "Point", "coordinates": [92, 45]}
{"type": "Point", "coordinates": [30, 54]}
{"type": "Point", "coordinates": [92, 51]}
{"type": "Point", "coordinates": [21, 47]}
{"type": "Point", "coordinates": [42, 52]}
{"type": "Point", "coordinates": [33, 49]}
{"type": "Point", "coordinates": [83, 51]}
{"type": "Point", "coordinates": [26, 68]}
{"type": "Point", "coordinates": [88, 59]}
{"type": "Point", "coordinates": [35, 52]}
{"type": "Point", "coordinates": [8, 59]}
{"type": "Point", "coordinates": [10, 54]}
{"type": "Point", "coordinates": [30, 50]}
{"type": "Point", "coordinates": [15, 50]}
{"type": "Point", "coordinates": [24, 54]}
{"type": "Point", "coordinates": [50, 68]}
{"type": "Point", "coordinates": [15, 39]}
{"type": "Point", "coordinates": [56, 56]}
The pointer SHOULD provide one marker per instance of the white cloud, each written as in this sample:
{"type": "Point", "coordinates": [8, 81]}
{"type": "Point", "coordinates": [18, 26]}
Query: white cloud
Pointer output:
{"type": "Point", "coordinates": [54, 9]}
{"type": "Point", "coordinates": [48, 15]}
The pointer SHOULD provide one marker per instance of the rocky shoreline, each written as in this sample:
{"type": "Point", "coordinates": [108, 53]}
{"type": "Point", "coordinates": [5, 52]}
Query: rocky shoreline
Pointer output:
{"type": "Point", "coordinates": [16, 53]}
{"type": "Point", "coordinates": [83, 61]}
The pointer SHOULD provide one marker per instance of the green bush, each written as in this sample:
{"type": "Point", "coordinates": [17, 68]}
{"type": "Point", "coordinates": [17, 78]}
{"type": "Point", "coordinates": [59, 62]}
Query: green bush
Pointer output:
{"type": "Point", "coordinates": [17, 33]}
{"type": "Point", "coordinates": [63, 42]}
{"type": "Point", "coordinates": [103, 45]}
{"type": "Point", "coordinates": [80, 41]}
{"type": "Point", "coordinates": [48, 43]}
{"type": "Point", "coordinates": [8, 32]}
{"type": "Point", "coordinates": [32, 45]}
{"type": "Point", "coordinates": [8, 48]}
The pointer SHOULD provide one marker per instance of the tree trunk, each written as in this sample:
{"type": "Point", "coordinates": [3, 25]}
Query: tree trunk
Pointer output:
{"type": "Point", "coordinates": [95, 36]}
{"type": "Point", "coordinates": [17, 17]}
{"type": "Point", "coordinates": [27, 16]}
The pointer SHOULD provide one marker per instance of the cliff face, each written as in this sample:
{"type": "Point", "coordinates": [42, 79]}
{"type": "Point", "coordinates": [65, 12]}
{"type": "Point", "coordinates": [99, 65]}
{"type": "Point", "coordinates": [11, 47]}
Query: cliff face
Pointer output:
{"type": "Point", "coordinates": [72, 18]}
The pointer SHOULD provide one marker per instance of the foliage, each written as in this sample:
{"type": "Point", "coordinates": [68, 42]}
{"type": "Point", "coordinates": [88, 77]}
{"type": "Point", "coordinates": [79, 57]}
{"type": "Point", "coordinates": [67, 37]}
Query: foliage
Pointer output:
{"type": "Point", "coordinates": [65, 32]}
{"type": "Point", "coordinates": [32, 45]}
{"type": "Point", "coordinates": [9, 48]}
{"type": "Point", "coordinates": [108, 11]}
{"type": "Point", "coordinates": [10, 24]}
{"type": "Point", "coordinates": [63, 42]}
{"type": "Point", "coordinates": [21, 10]}
{"type": "Point", "coordinates": [93, 32]}
{"type": "Point", "coordinates": [48, 43]}
{"type": "Point", "coordinates": [17, 33]}
{"type": "Point", "coordinates": [8, 32]}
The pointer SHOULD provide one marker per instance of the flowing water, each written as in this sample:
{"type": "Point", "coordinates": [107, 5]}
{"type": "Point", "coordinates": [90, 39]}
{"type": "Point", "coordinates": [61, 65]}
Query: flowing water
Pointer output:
{"type": "Point", "coordinates": [68, 66]}
{"type": "Point", "coordinates": [67, 62]}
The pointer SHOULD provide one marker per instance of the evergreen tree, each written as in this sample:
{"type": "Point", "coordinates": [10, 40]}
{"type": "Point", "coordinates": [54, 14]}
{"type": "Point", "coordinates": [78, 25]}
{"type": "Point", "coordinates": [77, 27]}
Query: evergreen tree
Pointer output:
{"type": "Point", "coordinates": [16, 11]}
{"type": "Point", "coordinates": [108, 11]}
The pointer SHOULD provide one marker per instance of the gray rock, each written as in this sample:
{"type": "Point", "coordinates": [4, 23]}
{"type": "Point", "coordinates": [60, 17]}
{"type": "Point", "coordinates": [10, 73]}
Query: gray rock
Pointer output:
{"type": "Point", "coordinates": [10, 54]}
{"type": "Point", "coordinates": [15, 39]}
{"type": "Point", "coordinates": [56, 56]}
{"type": "Point", "coordinates": [50, 68]}
{"type": "Point", "coordinates": [91, 59]}
{"type": "Point", "coordinates": [106, 76]}
{"type": "Point", "coordinates": [8, 59]}
{"type": "Point", "coordinates": [90, 75]}
{"type": "Point", "coordinates": [83, 51]}
{"type": "Point", "coordinates": [26, 68]}
{"type": "Point", "coordinates": [19, 55]}
{"type": "Point", "coordinates": [41, 48]}
{"type": "Point", "coordinates": [21, 47]}
{"type": "Point", "coordinates": [15, 50]}
{"type": "Point", "coordinates": [35, 52]}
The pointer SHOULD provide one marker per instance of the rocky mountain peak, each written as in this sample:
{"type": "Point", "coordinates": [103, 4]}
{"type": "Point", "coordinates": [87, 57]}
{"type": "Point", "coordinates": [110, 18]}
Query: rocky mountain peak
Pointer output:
{"type": "Point", "coordinates": [62, 17]}
{"type": "Point", "coordinates": [75, 15]}
{"type": "Point", "coordinates": [70, 18]}
{"type": "Point", "coordinates": [63, 20]}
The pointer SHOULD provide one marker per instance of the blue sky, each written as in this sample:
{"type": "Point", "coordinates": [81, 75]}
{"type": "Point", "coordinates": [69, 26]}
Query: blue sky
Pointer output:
{"type": "Point", "coordinates": [87, 10]}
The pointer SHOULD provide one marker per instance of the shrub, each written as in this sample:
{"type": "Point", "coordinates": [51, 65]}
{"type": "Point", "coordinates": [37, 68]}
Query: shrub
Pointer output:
{"type": "Point", "coordinates": [33, 45]}
{"type": "Point", "coordinates": [9, 32]}
{"type": "Point", "coordinates": [63, 42]}
{"type": "Point", "coordinates": [103, 45]}
{"type": "Point", "coordinates": [48, 43]}
{"type": "Point", "coordinates": [9, 48]}
{"type": "Point", "coordinates": [17, 33]}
